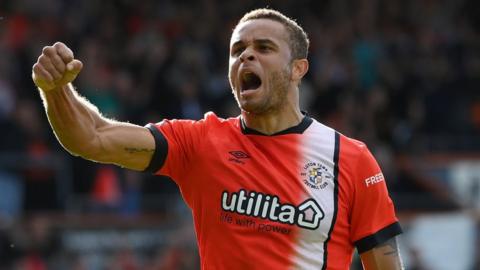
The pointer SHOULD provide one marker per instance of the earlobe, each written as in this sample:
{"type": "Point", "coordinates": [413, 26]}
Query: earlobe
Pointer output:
{"type": "Point", "coordinates": [300, 68]}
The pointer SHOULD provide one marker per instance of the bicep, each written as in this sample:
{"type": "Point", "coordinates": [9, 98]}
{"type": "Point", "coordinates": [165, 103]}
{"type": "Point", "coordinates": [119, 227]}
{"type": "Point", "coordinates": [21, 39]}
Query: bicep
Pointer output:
{"type": "Point", "coordinates": [385, 256]}
{"type": "Point", "coordinates": [124, 144]}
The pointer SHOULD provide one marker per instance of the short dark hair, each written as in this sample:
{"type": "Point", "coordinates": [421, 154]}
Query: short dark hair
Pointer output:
{"type": "Point", "coordinates": [298, 39]}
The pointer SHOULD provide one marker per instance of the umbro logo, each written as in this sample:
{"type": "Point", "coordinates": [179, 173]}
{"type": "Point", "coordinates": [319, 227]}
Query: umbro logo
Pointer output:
{"type": "Point", "coordinates": [238, 156]}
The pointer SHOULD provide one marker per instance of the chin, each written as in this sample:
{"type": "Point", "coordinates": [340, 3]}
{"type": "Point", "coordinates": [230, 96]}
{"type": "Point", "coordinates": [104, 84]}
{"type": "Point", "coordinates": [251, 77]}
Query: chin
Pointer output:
{"type": "Point", "coordinates": [248, 107]}
{"type": "Point", "coordinates": [255, 109]}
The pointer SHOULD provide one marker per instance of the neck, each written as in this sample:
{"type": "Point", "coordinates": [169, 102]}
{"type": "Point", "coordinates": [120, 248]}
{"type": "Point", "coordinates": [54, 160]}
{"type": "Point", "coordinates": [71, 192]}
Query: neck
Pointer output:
{"type": "Point", "coordinates": [273, 122]}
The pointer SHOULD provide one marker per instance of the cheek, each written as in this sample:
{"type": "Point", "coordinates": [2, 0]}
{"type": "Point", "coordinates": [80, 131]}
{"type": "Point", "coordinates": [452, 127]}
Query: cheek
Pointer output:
{"type": "Point", "coordinates": [230, 77]}
{"type": "Point", "coordinates": [232, 64]}
{"type": "Point", "coordinates": [232, 69]}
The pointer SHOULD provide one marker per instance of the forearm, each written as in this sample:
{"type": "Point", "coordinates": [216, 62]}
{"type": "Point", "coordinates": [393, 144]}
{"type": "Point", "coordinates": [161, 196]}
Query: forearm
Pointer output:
{"type": "Point", "coordinates": [383, 257]}
{"type": "Point", "coordinates": [78, 124]}
{"type": "Point", "coordinates": [73, 119]}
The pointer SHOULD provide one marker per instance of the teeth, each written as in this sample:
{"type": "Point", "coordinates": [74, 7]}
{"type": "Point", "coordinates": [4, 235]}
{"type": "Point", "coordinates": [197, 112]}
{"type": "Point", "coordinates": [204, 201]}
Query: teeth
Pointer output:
{"type": "Point", "coordinates": [246, 74]}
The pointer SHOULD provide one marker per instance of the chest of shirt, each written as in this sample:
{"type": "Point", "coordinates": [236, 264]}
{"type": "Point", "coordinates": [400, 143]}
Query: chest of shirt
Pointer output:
{"type": "Point", "coordinates": [284, 179]}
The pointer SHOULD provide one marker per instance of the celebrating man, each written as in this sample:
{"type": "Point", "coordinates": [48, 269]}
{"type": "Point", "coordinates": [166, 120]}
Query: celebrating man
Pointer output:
{"type": "Point", "coordinates": [269, 189]}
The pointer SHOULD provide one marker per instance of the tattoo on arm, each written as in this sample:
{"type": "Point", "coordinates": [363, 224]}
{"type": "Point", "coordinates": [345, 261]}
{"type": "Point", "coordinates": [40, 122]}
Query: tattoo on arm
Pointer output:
{"type": "Point", "coordinates": [133, 150]}
{"type": "Point", "coordinates": [390, 247]}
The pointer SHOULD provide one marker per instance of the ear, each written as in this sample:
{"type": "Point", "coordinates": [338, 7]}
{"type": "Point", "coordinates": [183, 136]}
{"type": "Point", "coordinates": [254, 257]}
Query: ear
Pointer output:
{"type": "Point", "coordinates": [299, 69]}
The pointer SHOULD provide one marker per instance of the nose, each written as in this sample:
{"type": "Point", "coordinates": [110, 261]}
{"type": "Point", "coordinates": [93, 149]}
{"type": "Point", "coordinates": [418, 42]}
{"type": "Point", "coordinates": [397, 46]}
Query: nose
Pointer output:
{"type": "Point", "coordinates": [247, 55]}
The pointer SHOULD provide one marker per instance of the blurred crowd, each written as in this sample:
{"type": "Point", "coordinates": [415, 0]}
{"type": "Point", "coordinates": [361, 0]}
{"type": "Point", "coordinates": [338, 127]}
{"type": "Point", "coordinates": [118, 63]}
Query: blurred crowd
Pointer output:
{"type": "Point", "coordinates": [402, 76]}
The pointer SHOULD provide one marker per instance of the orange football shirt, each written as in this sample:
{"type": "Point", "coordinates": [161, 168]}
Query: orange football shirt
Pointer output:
{"type": "Point", "coordinates": [303, 198]}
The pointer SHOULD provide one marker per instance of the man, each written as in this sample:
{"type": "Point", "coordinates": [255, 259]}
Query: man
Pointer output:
{"type": "Point", "coordinates": [270, 189]}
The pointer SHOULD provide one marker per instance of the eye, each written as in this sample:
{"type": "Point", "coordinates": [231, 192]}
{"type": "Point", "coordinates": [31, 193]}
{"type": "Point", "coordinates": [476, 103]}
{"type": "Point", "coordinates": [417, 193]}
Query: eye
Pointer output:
{"type": "Point", "coordinates": [264, 48]}
{"type": "Point", "coordinates": [237, 51]}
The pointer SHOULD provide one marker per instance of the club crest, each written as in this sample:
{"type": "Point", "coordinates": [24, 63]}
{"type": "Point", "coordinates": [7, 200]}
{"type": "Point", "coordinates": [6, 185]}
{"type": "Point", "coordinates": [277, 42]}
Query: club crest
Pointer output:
{"type": "Point", "coordinates": [316, 175]}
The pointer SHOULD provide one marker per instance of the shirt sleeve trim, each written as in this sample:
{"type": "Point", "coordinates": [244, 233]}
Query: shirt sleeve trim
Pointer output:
{"type": "Point", "coordinates": [381, 236]}
{"type": "Point", "coordinates": [161, 150]}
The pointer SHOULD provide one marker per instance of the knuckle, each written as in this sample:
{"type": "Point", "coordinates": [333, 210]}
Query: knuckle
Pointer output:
{"type": "Point", "coordinates": [47, 49]}
{"type": "Point", "coordinates": [43, 59]}
{"type": "Point", "coordinates": [56, 60]}
{"type": "Point", "coordinates": [60, 59]}
{"type": "Point", "coordinates": [68, 53]}
{"type": "Point", "coordinates": [59, 45]}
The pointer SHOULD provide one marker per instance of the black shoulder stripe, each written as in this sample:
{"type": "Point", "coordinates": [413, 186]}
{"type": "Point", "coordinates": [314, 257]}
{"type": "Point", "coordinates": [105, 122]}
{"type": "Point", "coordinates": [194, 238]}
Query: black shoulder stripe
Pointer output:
{"type": "Point", "coordinates": [161, 150]}
{"type": "Point", "coordinates": [371, 241]}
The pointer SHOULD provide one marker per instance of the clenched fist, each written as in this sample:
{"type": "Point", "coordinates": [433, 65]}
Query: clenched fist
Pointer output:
{"type": "Point", "coordinates": [55, 67]}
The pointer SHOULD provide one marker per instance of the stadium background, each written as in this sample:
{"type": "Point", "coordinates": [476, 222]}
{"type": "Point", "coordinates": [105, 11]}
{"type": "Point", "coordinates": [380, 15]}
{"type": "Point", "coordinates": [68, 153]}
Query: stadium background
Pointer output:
{"type": "Point", "coordinates": [401, 75]}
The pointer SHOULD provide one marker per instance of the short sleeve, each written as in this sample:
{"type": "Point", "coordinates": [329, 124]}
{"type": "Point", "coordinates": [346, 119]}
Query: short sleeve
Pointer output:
{"type": "Point", "coordinates": [176, 144]}
{"type": "Point", "coordinates": [373, 219]}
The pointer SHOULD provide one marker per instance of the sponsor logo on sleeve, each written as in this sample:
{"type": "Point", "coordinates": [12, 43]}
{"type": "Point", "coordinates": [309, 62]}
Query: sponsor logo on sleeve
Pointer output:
{"type": "Point", "coordinates": [375, 179]}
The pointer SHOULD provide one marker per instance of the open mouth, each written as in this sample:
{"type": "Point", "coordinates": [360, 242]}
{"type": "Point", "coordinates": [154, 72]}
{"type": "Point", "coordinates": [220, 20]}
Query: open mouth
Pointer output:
{"type": "Point", "coordinates": [249, 81]}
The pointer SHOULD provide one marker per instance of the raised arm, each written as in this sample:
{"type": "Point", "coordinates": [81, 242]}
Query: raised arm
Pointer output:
{"type": "Point", "coordinates": [385, 256]}
{"type": "Point", "coordinates": [77, 124]}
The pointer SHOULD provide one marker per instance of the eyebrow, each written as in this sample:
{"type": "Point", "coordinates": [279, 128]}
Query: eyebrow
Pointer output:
{"type": "Point", "coordinates": [265, 41]}
{"type": "Point", "coordinates": [261, 41]}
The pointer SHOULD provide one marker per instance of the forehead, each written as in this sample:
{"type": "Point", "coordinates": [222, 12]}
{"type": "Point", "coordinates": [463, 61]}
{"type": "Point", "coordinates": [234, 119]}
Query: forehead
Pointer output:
{"type": "Point", "coordinates": [259, 29]}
